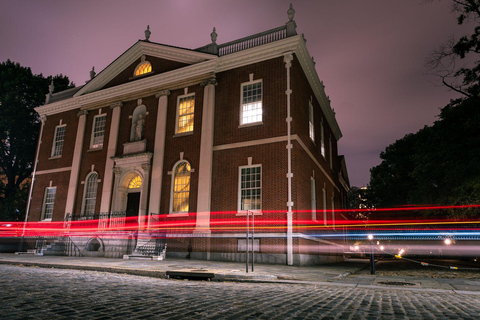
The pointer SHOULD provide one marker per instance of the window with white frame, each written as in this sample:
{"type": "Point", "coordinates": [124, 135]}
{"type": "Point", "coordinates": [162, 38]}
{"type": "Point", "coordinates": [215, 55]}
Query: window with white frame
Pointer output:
{"type": "Point", "coordinates": [324, 195]}
{"type": "Point", "coordinates": [251, 111]}
{"type": "Point", "coordinates": [90, 194]}
{"type": "Point", "coordinates": [330, 151]}
{"type": "Point", "coordinates": [57, 147]}
{"type": "Point", "coordinates": [311, 128]}
{"type": "Point", "coordinates": [313, 198]}
{"type": "Point", "coordinates": [181, 188]}
{"type": "Point", "coordinates": [48, 202]}
{"type": "Point", "coordinates": [98, 131]}
{"type": "Point", "coordinates": [185, 113]}
{"type": "Point", "coordinates": [322, 139]}
{"type": "Point", "coordinates": [250, 188]}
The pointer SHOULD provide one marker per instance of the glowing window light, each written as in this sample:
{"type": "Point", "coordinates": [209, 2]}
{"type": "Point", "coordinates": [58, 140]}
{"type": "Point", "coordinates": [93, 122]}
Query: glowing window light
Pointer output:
{"type": "Point", "coordinates": [135, 183]}
{"type": "Point", "coordinates": [144, 68]}
{"type": "Point", "coordinates": [251, 103]}
{"type": "Point", "coordinates": [181, 188]}
{"type": "Point", "coordinates": [186, 108]}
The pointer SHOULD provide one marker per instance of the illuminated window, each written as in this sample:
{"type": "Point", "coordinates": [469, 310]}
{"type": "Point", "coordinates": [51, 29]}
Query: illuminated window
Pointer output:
{"type": "Point", "coordinates": [90, 195]}
{"type": "Point", "coordinates": [181, 188]}
{"type": "Point", "coordinates": [311, 128]}
{"type": "Point", "coordinates": [322, 139]}
{"type": "Point", "coordinates": [143, 68]}
{"type": "Point", "coordinates": [48, 203]}
{"type": "Point", "coordinates": [98, 131]}
{"type": "Point", "coordinates": [251, 103]}
{"type": "Point", "coordinates": [135, 183]}
{"type": "Point", "coordinates": [185, 113]}
{"type": "Point", "coordinates": [250, 186]}
{"type": "Point", "coordinates": [57, 147]}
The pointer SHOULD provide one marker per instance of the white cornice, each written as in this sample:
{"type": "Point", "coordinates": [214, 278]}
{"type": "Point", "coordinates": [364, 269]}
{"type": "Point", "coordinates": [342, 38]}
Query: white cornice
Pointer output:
{"type": "Point", "coordinates": [136, 51]}
{"type": "Point", "coordinates": [210, 65]}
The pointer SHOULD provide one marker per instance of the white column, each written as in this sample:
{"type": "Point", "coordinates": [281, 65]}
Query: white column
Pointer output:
{"type": "Point", "coordinates": [77, 156]}
{"type": "Point", "coordinates": [206, 159]}
{"type": "Point", "coordinates": [158, 152]}
{"type": "Point", "coordinates": [288, 57]}
{"type": "Point", "coordinates": [112, 147]}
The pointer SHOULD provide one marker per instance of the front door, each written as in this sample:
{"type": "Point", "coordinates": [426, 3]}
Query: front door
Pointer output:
{"type": "Point", "coordinates": [133, 203]}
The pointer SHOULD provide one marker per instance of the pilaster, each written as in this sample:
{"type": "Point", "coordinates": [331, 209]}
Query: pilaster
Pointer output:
{"type": "Point", "coordinates": [158, 152]}
{"type": "Point", "coordinates": [206, 158]}
{"type": "Point", "coordinates": [77, 157]}
{"type": "Point", "coordinates": [112, 148]}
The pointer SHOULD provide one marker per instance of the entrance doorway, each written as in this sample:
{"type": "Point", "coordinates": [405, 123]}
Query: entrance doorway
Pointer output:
{"type": "Point", "coordinates": [133, 204]}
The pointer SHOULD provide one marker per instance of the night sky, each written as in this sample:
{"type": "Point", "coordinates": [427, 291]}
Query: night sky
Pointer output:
{"type": "Point", "coordinates": [370, 54]}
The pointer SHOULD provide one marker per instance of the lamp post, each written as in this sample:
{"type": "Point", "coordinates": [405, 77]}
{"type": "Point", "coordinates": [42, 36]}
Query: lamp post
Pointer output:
{"type": "Point", "coordinates": [372, 255]}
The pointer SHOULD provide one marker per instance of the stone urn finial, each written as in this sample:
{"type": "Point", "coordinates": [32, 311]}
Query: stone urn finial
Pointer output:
{"type": "Point", "coordinates": [92, 73]}
{"type": "Point", "coordinates": [291, 13]}
{"type": "Point", "coordinates": [214, 36]}
{"type": "Point", "coordinates": [51, 87]}
{"type": "Point", "coordinates": [147, 33]}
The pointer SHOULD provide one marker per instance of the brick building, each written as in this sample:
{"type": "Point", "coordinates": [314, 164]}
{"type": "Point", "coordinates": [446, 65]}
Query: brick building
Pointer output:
{"type": "Point", "coordinates": [187, 142]}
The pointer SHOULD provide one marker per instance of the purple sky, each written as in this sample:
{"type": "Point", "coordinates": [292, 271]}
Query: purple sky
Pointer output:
{"type": "Point", "coordinates": [369, 53]}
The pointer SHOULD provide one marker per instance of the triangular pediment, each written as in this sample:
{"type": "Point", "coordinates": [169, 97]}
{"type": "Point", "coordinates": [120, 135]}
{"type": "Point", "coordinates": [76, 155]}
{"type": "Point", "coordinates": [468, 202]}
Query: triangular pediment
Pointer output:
{"type": "Point", "coordinates": [163, 58]}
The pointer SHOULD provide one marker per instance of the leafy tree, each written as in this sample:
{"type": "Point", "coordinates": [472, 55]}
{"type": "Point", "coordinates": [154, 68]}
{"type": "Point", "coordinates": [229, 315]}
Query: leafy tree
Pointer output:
{"type": "Point", "coordinates": [20, 92]}
{"type": "Point", "coordinates": [439, 164]}
{"type": "Point", "coordinates": [444, 60]}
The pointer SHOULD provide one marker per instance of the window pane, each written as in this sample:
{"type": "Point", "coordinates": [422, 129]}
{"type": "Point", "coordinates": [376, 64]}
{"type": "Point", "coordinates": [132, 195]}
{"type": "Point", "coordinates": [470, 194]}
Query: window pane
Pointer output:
{"type": "Point", "coordinates": [59, 139]}
{"type": "Point", "coordinates": [250, 191]}
{"type": "Point", "coordinates": [181, 188]}
{"type": "Point", "coordinates": [251, 103]}
{"type": "Point", "coordinates": [99, 131]}
{"type": "Point", "coordinates": [186, 109]}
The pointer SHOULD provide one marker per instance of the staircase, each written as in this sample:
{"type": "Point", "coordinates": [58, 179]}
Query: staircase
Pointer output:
{"type": "Point", "coordinates": [62, 246]}
{"type": "Point", "coordinates": [148, 247]}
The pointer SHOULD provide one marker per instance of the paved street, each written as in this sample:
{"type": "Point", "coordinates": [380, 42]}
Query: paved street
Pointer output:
{"type": "Point", "coordinates": [41, 293]}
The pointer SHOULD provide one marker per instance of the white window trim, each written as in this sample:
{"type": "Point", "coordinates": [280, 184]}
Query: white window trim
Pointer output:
{"type": "Point", "coordinates": [322, 139]}
{"type": "Point", "coordinates": [55, 140]}
{"type": "Point", "coordinates": [313, 198]}
{"type": "Point", "coordinates": [241, 212]}
{"type": "Point", "coordinates": [82, 213]}
{"type": "Point", "coordinates": [178, 115]}
{"type": "Point", "coordinates": [324, 194]}
{"type": "Point", "coordinates": [93, 131]}
{"type": "Point", "coordinates": [175, 213]}
{"type": "Point", "coordinates": [311, 122]}
{"type": "Point", "coordinates": [44, 205]}
{"type": "Point", "coordinates": [242, 125]}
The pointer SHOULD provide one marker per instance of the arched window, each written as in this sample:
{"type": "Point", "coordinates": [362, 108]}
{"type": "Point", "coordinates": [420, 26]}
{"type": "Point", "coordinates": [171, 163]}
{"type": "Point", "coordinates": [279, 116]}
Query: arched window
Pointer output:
{"type": "Point", "coordinates": [90, 194]}
{"type": "Point", "coordinates": [135, 183]}
{"type": "Point", "coordinates": [143, 68]}
{"type": "Point", "coordinates": [181, 188]}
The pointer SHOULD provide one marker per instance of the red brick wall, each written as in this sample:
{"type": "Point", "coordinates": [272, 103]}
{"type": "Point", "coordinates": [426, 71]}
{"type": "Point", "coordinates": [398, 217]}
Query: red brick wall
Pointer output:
{"type": "Point", "coordinates": [227, 102]}
{"type": "Point", "coordinates": [71, 120]}
{"type": "Point", "coordinates": [59, 180]}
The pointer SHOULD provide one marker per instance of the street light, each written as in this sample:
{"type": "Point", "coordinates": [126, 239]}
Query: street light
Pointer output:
{"type": "Point", "coordinates": [372, 255]}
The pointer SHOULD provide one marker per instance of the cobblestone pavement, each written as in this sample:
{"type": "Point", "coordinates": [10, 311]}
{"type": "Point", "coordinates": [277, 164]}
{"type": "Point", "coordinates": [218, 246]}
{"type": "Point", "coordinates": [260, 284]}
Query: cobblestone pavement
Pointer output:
{"type": "Point", "coordinates": [39, 293]}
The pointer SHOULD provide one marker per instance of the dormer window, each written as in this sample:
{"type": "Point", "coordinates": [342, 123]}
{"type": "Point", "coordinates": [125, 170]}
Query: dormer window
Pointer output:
{"type": "Point", "coordinates": [143, 68]}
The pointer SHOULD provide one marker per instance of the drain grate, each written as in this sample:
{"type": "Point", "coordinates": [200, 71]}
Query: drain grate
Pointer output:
{"type": "Point", "coordinates": [396, 283]}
